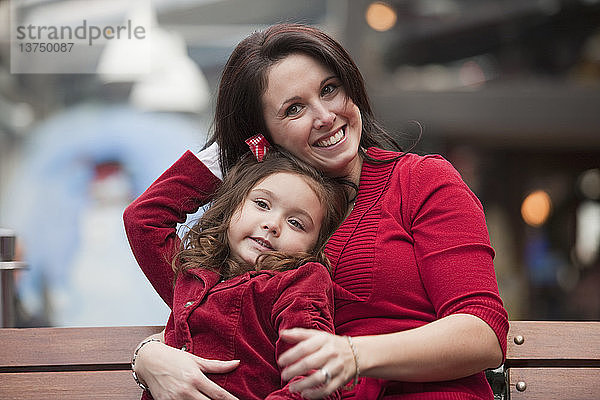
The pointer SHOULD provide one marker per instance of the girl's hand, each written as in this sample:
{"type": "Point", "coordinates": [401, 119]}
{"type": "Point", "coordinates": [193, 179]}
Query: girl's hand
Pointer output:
{"type": "Point", "coordinates": [172, 374]}
{"type": "Point", "coordinates": [316, 352]}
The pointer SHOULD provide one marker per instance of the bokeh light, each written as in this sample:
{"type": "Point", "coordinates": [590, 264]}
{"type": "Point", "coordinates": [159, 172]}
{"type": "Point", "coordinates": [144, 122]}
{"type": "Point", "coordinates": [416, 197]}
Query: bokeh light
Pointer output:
{"type": "Point", "coordinates": [536, 208]}
{"type": "Point", "coordinates": [381, 16]}
{"type": "Point", "coordinates": [589, 184]}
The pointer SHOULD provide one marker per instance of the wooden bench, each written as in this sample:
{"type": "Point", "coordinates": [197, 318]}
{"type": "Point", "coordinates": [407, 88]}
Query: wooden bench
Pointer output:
{"type": "Point", "coordinates": [546, 360]}
{"type": "Point", "coordinates": [69, 363]}
{"type": "Point", "coordinates": [553, 360]}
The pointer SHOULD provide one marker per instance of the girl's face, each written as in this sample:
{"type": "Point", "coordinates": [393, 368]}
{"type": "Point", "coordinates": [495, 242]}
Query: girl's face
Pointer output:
{"type": "Point", "coordinates": [282, 213]}
{"type": "Point", "coordinates": [307, 112]}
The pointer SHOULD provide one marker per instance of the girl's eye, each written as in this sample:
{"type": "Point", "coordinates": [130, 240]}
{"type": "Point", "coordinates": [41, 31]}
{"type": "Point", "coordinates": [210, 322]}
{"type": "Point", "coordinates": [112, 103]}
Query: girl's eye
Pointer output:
{"type": "Point", "coordinates": [296, 223]}
{"type": "Point", "coordinates": [261, 204]}
{"type": "Point", "coordinates": [293, 110]}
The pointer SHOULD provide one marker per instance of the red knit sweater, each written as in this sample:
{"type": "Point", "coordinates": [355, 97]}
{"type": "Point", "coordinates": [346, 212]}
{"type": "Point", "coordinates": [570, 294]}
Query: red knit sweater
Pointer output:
{"type": "Point", "coordinates": [414, 249]}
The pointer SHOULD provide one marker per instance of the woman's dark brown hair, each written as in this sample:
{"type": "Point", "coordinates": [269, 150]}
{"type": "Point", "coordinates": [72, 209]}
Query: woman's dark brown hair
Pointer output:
{"type": "Point", "coordinates": [205, 245]}
{"type": "Point", "coordinates": [239, 108]}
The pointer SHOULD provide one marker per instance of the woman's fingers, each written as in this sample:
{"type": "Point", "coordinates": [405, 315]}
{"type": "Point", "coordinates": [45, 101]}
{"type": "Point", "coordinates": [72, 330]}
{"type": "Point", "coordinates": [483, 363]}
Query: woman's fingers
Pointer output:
{"type": "Point", "coordinates": [323, 360]}
{"type": "Point", "coordinates": [208, 388]}
{"type": "Point", "coordinates": [320, 383]}
{"type": "Point", "coordinates": [294, 335]}
{"type": "Point", "coordinates": [194, 386]}
{"type": "Point", "coordinates": [310, 362]}
{"type": "Point", "coordinates": [307, 342]}
{"type": "Point", "coordinates": [174, 374]}
{"type": "Point", "coordinates": [216, 366]}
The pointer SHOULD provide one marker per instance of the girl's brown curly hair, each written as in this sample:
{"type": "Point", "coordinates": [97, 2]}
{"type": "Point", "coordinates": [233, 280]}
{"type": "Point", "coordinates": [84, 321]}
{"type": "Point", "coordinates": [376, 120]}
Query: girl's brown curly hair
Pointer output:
{"type": "Point", "coordinates": [205, 245]}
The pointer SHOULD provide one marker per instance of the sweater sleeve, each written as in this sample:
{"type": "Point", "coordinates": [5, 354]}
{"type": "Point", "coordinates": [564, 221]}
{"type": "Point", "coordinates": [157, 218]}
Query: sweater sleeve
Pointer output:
{"type": "Point", "coordinates": [305, 300]}
{"type": "Point", "coordinates": [151, 220]}
{"type": "Point", "coordinates": [452, 245]}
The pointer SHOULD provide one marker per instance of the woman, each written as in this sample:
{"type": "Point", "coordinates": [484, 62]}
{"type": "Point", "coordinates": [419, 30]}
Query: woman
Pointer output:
{"type": "Point", "coordinates": [415, 287]}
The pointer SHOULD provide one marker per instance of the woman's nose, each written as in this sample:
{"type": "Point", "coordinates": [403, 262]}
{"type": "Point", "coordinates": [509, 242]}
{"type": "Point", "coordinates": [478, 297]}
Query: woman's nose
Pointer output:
{"type": "Point", "coordinates": [323, 118]}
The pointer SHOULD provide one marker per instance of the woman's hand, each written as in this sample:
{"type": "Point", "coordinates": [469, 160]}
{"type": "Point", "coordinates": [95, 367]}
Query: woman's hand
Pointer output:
{"type": "Point", "coordinates": [315, 353]}
{"type": "Point", "coordinates": [172, 374]}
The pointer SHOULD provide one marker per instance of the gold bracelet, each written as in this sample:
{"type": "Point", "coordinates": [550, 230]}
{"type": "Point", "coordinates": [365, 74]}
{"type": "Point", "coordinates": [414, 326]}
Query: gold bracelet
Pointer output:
{"type": "Point", "coordinates": [135, 354]}
{"type": "Point", "coordinates": [355, 355]}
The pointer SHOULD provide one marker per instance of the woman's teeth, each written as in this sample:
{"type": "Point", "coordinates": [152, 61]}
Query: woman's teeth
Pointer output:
{"type": "Point", "coordinates": [331, 140]}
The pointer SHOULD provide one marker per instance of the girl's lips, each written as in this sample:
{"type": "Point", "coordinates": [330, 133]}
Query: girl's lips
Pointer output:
{"type": "Point", "coordinates": [333, 139]}
{"type": "Point", "coordinates": [262, 243]}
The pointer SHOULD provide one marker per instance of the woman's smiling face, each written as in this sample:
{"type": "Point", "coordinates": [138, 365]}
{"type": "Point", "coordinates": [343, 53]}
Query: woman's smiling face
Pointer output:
{"type": "Point", "coordinates": [307, 112]}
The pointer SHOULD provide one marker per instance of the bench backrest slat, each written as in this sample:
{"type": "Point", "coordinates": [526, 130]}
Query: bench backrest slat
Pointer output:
{"type": "Point", "coordinates": [553, 360]}
{"type": "Point", "coordinates": [91, 347]}
{"type": "Point", "coordinates": [554, 383]}
{"type": "Point", "coordinates": [553, 343]}
{"type": "Point", "coordinates": [97, 385]}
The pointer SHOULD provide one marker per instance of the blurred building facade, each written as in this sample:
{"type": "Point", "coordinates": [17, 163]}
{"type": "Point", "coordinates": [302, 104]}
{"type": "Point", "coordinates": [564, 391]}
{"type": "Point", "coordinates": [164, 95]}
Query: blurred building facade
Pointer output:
{"type": "Point", "coordinates": [508, 91]}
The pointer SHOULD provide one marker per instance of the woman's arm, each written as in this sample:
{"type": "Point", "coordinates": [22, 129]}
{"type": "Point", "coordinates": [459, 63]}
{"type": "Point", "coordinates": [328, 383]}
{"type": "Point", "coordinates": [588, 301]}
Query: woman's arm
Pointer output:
{"type": "Point", "coordinates": [172, 374]}
{"type": "Point", "coordinates": [452, 347]}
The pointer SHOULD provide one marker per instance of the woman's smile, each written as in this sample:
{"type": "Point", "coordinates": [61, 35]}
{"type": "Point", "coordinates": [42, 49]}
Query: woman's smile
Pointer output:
{"type": "Point", "coordinates": [331, 140]}
{"type": "Point", "coordinates": [307, 112]}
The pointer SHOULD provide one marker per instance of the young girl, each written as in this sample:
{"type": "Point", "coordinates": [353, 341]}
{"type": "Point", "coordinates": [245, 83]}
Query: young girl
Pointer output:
{"type": "Point", "coordinates": [252, 266]}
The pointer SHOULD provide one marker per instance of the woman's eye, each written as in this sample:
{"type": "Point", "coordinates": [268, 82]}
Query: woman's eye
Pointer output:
{"type": "Point", "coordinates": [261, 204]}
{"type": "Point", "coordinates": [296, 223]}
{"type": "Point", "coordinates": [292, 110]}
{"type": "Point", "coordinates": [328, 89]}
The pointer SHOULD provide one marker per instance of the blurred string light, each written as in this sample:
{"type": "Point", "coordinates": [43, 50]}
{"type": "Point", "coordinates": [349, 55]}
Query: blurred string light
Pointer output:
{"type": "Point", "coordinates": [437, 8]}
{"type": "Point", "coordinates": [536, 208]}
{"type": "Point", "coordinates": [381, 16]}
{"type": "Point", "coordinates": [589, 184]}
{"type": "Point", "coordinates": [471, 74]}
{"type": "Point", "coordinates": [587, 235]}
{"type": "Point", "coordinates": [467, 74]}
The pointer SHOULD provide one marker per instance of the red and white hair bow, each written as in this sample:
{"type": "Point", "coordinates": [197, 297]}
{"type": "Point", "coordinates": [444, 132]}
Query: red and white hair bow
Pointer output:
{"type": "Point", "coordinates": [258, 146]}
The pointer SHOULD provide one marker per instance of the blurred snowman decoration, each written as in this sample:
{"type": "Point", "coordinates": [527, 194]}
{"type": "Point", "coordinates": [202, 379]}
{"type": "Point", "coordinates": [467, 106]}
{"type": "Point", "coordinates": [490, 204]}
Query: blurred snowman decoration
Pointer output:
{"type": "Point", "coordinates": [78, 172]}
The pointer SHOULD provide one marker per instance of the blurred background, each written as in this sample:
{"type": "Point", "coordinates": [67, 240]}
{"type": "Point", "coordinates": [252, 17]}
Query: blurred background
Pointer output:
{"type": "Point", "coordinates": [507, 90]}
